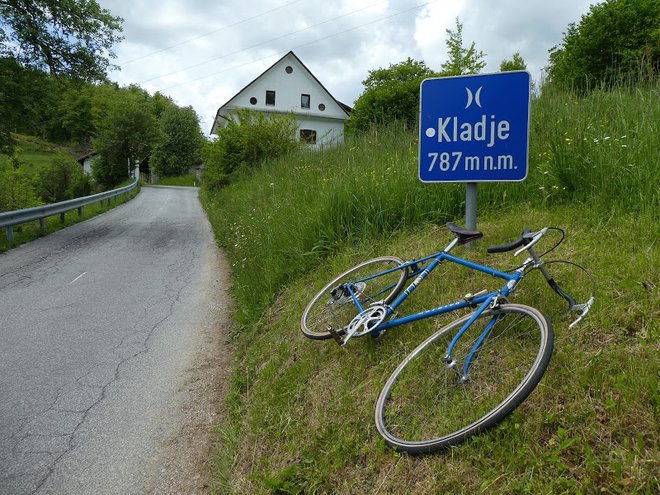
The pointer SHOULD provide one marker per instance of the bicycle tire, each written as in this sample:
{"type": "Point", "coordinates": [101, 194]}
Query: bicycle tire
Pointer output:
{"type": "Point", "coordinates": [424, 406]}
{"type": "Point", "coordinates": [324, 310]}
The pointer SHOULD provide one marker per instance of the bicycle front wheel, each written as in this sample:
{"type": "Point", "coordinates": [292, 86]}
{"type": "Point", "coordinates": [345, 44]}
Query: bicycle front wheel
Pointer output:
{"type": "Point", "coordinates": [428, 404]}
{"type": "Point", "coordinates": [333, 306]}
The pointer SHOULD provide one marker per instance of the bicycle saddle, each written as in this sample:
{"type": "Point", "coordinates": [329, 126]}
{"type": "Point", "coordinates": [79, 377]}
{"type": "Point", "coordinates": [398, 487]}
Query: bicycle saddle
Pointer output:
{"type": "Point", "coordinates": [464, 235]}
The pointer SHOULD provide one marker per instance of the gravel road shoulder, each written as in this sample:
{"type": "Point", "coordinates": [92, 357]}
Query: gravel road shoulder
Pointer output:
{"type": "Point", "coordinates": [184, 462]}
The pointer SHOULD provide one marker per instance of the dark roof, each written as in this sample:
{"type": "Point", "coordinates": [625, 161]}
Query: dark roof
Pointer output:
{"type": "Point", "coordinates": [87, 155]}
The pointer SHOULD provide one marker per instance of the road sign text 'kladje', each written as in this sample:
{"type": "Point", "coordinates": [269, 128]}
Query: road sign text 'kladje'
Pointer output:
{"type": "Point", "coordinates": [474, 128]}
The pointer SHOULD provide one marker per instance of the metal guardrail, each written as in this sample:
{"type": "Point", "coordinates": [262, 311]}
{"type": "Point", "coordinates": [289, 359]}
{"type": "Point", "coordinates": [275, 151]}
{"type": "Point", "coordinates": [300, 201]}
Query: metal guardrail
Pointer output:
{"type": "Point", "coordinates": [10, 218]}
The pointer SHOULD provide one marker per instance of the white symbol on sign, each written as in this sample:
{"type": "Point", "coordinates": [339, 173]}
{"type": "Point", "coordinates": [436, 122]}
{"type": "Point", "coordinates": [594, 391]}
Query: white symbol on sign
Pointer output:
{"type": "Point", "coordinates": [476, 97]}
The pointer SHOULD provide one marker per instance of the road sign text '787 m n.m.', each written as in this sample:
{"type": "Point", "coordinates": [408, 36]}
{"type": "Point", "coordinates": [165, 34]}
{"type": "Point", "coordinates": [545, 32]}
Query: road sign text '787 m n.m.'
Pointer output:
{"type": "Point", "coordinates": [474, 128]}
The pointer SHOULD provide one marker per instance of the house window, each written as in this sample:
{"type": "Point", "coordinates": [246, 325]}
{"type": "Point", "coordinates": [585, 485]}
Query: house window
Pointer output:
{"type": "Point", "coordinates": [288, 69]}
{"type": "Point", "coordinates": [253, 100]}
{"type": "Point", "coordinates": [308, 136]}
{"type": "Point", "coordinates": [304, 101]}
{"type": "Point", "coordinates": [321, 107]}
{"type": "Point", "coordinates": [270, 97]}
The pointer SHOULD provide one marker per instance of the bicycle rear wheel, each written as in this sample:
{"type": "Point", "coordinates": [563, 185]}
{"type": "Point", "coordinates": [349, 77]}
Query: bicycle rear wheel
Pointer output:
{"type": "Point", "coordinates": [333, 306]}
{"type": "Point", "coordinates": [427, 404]}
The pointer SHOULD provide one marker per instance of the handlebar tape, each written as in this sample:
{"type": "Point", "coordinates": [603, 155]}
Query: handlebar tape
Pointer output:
{"type": "Point", "coordinates": [503, 248]}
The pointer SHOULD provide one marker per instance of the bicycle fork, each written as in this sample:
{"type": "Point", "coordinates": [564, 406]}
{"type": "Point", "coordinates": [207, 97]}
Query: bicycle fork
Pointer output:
{"type": "Point", "coordinates": [449, 361]}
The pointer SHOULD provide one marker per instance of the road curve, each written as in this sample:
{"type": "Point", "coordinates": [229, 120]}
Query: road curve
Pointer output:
{"type": "Point", "coordinates": [99, 324]}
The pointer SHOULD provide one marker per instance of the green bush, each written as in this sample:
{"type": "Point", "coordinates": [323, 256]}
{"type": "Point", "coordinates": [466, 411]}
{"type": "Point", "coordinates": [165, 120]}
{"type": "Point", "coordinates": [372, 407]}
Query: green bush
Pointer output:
{"type": "Point", "coordinates": [16, 190]}
{"type": "Point", "coordinates": [60, 180]}
{"type": "Point", "coordinates": [246, 142]}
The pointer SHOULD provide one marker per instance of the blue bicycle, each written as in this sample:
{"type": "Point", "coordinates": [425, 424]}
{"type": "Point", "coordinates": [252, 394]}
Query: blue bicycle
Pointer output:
{"type": "Point", "coordinates": [467, 376]}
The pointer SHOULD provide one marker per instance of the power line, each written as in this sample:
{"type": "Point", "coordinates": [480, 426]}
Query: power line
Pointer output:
{"type": "Point", "coordinates": [282, 53]}
{"type": "Point", "coordinates": [214, 59]}
{"type": "Point", "coordinates": [242, 21]}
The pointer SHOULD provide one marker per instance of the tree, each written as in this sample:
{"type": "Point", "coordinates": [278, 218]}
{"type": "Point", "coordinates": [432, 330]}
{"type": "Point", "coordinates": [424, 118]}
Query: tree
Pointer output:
{"type": "Point", "coordinates": [127, 132]}
{"type": "Point", "coordinates": [462, 61]}
{"type": "Point", "coordinates": [616, 39]}
{"type": "Point", "coordinates": [516, 63]}
{"type": "Point", "coordinates": [179, 144]}
{"type": "Point", "coordinates": [390, 94]}
{"type": "Point", "coordinates": [72, 38]}
{"type": "Point", "coordinates": [27, 99]}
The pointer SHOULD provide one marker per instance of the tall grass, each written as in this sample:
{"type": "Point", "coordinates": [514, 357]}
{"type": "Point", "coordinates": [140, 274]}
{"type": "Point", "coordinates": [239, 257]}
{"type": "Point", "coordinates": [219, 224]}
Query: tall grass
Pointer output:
{"type": "Point", "coordinates": [301, 411]}
{"type": "Point", "coordinates": [279, 220]}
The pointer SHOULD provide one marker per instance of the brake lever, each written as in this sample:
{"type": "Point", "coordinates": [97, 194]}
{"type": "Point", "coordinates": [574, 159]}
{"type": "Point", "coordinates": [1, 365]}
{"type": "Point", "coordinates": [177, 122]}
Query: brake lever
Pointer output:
{"type": "Point", "coordinates": [537, 238]}
{"type": "Point", "coordinates": [581, 307]}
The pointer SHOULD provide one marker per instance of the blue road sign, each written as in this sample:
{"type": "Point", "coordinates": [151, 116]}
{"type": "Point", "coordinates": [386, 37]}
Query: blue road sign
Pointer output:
{"type": "Point", "coordinates": [474, 128]}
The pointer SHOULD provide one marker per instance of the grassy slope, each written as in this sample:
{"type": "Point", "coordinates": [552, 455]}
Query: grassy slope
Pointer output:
{"type": "Point", "coordinates": [302, 410]}
{"type": "Point", "coordinates": [33, 153]}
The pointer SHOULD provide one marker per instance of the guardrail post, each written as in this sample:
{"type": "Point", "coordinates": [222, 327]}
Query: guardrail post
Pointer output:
{"type": "Point", "coordinates": [80, 211]}
{"type": "Point", "coordinates": [42, 225]}
{"type": "Point", "coordinates": [101, 203]}
{"type": "Point", "coordinates": [62, 217]}
{"type": "Point", "coordinates": [10, 235]}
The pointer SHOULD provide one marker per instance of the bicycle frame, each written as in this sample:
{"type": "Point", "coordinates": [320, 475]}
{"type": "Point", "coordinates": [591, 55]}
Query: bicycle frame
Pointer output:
{"type": "Point", "coordinates": [483, 301]}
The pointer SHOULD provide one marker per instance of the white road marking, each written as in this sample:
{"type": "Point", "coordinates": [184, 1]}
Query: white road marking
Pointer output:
{"type": "Point", "coordinates": [77, 278]}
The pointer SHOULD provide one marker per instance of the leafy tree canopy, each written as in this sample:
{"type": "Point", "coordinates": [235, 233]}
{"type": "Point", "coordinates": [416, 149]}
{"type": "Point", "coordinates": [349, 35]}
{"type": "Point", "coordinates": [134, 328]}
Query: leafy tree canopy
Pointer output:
{"type": "Point", "coordinates": [128, 132]}
{"type": "Point", "coordinates": [179, 143]}
{"type": "Point", "coordinates": [616, 39]}
{"type": "Point", "coordinates": [390, 94]}
{"type": "Point", "coordinates": [72, 38]}
{"type": "Point", "coordinates": [516, 63]}
{"type": "Point", "coordinates": [462, 61]}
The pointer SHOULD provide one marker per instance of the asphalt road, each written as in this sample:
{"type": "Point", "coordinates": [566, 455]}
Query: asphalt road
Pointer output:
{"type": "Point", "coordinates": [98, 323]}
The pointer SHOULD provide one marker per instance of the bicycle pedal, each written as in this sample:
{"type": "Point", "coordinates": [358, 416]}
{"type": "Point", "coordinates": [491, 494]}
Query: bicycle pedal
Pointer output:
{"type": "Point", "coordinates": [335, 335]}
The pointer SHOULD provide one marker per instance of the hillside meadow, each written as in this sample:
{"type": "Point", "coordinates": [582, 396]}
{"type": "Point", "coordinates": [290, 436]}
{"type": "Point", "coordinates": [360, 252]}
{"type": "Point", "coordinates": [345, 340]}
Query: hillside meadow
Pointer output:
{"type": "Point", "coordinates": [301, 411]}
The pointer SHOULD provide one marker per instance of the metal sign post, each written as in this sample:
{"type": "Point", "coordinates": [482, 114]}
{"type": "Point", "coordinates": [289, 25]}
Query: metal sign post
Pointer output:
{"type": "Point", "coordinates": [474, 129]}
{"type": "Point", "coordinates": [471, 205]}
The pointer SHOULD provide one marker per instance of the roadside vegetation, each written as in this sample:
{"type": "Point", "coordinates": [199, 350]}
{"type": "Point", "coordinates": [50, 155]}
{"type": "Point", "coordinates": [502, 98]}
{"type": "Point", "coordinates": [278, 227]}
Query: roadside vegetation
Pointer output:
{"type": "Point", "coordinates": [30, 231]}
{"type": "Point", "coordinates": [301, 411]}
{"type": "Point", "coordinates": [55, 96]}
{"type": "Point", "coordinates": [56, 105]}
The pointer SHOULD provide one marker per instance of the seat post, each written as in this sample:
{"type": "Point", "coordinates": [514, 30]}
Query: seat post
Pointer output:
{"type": "Point", "coordinates": [451, 245]}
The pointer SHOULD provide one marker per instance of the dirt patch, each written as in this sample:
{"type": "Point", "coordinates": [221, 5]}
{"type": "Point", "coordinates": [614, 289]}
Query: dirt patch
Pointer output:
{"type": "Point", "coordinates": [184, 462]}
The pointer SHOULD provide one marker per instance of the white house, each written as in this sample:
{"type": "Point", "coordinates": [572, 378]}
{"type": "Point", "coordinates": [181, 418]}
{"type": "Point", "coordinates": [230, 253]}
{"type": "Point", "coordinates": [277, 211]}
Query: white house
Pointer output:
{"type": "Point", "coordinates": [288, 86]}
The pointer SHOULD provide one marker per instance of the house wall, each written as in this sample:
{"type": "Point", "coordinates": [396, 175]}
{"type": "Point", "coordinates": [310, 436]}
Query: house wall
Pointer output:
{"type": "Point", "coordinates": [289, 88]}
{"type": "Point", "coordinates": [328, 132]}
{"type": "Point", "coordinates": [87, 164]}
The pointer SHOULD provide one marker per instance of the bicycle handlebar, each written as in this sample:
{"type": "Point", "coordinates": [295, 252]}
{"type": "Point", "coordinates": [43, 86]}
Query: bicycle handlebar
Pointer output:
{"type": "Point", "coordinates": [526, 239]}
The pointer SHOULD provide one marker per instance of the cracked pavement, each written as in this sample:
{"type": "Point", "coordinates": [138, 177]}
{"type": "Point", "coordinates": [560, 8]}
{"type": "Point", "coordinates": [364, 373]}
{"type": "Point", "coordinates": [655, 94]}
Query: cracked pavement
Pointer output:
{"type": "Point", "coordinates": [98, 323]}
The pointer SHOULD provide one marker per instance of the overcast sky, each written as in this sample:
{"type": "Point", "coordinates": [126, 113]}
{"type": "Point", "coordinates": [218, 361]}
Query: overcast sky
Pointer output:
{"type": "Point", "coordinates": [202, 52]}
